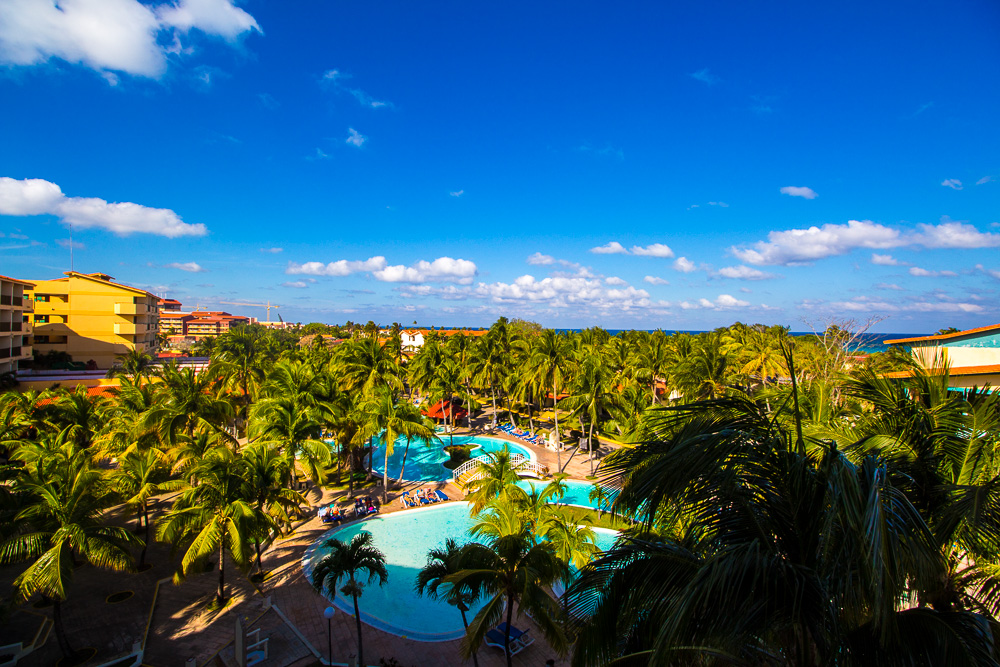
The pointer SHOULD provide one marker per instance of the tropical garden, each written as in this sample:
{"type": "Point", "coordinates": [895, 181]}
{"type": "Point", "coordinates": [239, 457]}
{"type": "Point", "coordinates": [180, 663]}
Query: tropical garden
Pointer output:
{"type": "Point", "coordinates": [780, 499]}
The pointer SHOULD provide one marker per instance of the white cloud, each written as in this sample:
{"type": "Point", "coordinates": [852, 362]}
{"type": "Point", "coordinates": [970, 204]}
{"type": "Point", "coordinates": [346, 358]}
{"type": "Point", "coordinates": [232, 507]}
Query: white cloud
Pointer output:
{"type": "Point", "coordinates": [995, 273]}
{"type": "Point", "coordinates": [538, 259]}
{"type": "Point", "coordinates": [953, 234]}
{"type": "Point", "coordinates": [985, 179]}
{"type": "Point", "coordinates": [684, 265]}
{"type": "Point", "coordinates": [721, 204]}
{"type": "Point", "coordinates": [925, 273]}
{"type": "Point", "coordinates": [355, 138]}
{"type": "Point", "coordinates": [874, 305]}
{"type": "Point", "coordinates": [655, 280]}
{"type": "Point", "coordinates": [797, 246]}
{"type": "Point", "coordinates": [805, 245]}
{"type": "Point", "coordinates": [723, 301]}
{"type": "Point", "coordinates": [446, 269]}
{"type": "Point", "coordinates": [190, 267]}
{"type": "Point", "coordinates": [952, 183]}
{"type": "Point", "coordinates": [884, 260]}
{"type": "Point", "coordinates": [612, 248]}
{"type": "Point", "coordinates": [297, 284]}
{"type": "Point", "coordinates": [35, 196]}
{"type": "Point", "coordinates": [335, 77]}
{"type": "Point", "coordinates": [705, 77]}
{"type": "Point", "coordinates": [67, 243]}
{"type": "Point", "coordinates": [272, 251]}
{"type": "Point", "coordinates": [890, 286]}
{"type": "Point", "coordinates": [742, 272]}
{"type": "Point", "coordinates": [112, 35]}
{"type": "Point", "coordinates": [729, 301]}
{"type": "Point", "coordinates": [457, 193]}
{"type": "Point", "coordinates": [339, 268]}
{"type": "Point", "coordinates": [565, 291]}
{"type": "Point", "coordinates": [615, 281]}
{"type": "Point", "coordinates": [794, 191]}
{"type": "Point", "coordinates": [654, 250]}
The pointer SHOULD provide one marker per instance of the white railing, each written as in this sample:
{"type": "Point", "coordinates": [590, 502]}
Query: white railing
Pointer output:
{"type": "Point", "coordinates": [472, 469]}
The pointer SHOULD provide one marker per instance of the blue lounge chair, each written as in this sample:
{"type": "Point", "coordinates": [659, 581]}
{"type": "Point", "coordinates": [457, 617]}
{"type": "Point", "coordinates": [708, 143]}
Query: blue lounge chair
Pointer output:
{"type": "Point", "coordinates": [495, 638]}
{"type": "Point", "coordinates": [441, 496]}
{"type": "Point", "coordinates": [517, 635]}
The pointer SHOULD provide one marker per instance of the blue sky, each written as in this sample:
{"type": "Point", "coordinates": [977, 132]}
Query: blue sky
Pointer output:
{"type": "Point", "coordinates": [578, 164]}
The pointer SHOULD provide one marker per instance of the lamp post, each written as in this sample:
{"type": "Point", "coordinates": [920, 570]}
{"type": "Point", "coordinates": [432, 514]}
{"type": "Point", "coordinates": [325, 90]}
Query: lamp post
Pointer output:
{"type": "Point", "coordinates": [328, 613]}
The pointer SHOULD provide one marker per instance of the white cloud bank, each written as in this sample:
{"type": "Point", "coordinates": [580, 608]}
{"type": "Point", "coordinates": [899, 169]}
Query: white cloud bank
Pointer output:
{"type": "Point", "coordinates": [36, 196]}
{"type": "Point", "coordinates": [442, 269]}
{"type": "Point", "coordinates": [799, 246]}
{"type": "Point", "coordinates": [742, 272]}
{"type": "Point", "coordinates": [723, 302]}
{"type": "Point", "coordinates": [113, 35]}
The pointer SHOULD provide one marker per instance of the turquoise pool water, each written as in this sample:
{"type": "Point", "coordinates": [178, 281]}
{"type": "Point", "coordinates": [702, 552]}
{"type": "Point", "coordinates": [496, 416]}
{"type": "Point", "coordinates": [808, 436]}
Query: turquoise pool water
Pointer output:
{"type": "Point", "coordinates": [577, 493]}
{"type": "Point", "coordinates": [405, 538]}
{"type": "Point", "coordinates": [424, 464]}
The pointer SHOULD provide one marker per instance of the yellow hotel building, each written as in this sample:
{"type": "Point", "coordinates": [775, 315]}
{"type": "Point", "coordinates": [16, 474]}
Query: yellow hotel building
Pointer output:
{"type": "Point", "coordinates": [15, 324]}
{"type": "Point", "coordinates": [93, 318]}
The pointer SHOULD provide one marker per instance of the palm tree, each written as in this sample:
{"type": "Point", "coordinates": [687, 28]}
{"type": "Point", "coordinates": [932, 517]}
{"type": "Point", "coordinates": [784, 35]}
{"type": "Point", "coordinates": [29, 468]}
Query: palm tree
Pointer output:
{"type": "Point", "coordinates": [547, 361]}
{"type": "Point", "coordinates": [442, 563]}
{"type": "Point", "coordinates": [266, 473]}
{"type": "Point", "coordinates": [497, 477]}
{"type": "Point", "coordinates": [59, 520]}
{"type": "Point", "coordinates": [125, 429]}
{"type": "Point", "coordinates": [391, 420]}
{"type": "Point", "coordinates": [575, 546]}
{"type": "Point", "coordinates": [348, 560]}
{"type": "Point", "coordinates": [135, 364]}
{"type": "Point", "coordinates": [295, 430]}
{"type": "Point", "coordinates": [80, 414]}
{"type": "Point", "coordinates": [592, 395]}
{"type": "Point", "coordinates": [187, 401]}
{"type": "Point", "coordinates": [240, 358]}
{"type": "Point", "coordinates": [512, 568]}
{"type": "Point", "coordinates": [140, 476]}
{"type": "Point", "coordinates": [364, 365]}
{"type": "Point", "coordinates": [213, 518]}
{"type": "Point", "coordinates": [446, 385]}
{"type": "Point", "coordinates": [752, 550]}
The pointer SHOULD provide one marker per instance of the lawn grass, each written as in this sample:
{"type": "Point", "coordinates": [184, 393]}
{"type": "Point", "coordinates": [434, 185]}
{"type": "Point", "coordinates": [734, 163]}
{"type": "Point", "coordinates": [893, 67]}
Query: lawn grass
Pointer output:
{"type": "Point", "coordinates": [589, 517]}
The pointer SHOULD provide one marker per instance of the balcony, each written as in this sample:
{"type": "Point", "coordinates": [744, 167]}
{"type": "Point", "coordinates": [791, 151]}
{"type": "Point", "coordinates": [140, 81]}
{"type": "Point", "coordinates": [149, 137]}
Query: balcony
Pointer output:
{"type": "Point", "coordinates": [6, 300]}
{"type": "Point", "coordinates": [130, 309]}
{"type": "Point", "coordinates": [130, 328]}
{"type": "Point", "coordinates": [26, 352]}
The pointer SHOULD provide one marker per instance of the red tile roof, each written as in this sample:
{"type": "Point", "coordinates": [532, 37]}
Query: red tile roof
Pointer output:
{"type": "Point", "coordinates": [921, 339]}
{"type": "Point", "coordinates": [958, 370]}
{"type": "Point", "coordinates": [437, 411]}
{"type": "Point", "coordinates": [16, 280]}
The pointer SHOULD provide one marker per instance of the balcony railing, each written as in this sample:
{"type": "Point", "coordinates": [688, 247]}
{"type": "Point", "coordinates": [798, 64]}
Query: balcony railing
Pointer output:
{"type": "Point", "coordinates": [131, 309]}
{"type": "Point", "coordinates": [6, 300]}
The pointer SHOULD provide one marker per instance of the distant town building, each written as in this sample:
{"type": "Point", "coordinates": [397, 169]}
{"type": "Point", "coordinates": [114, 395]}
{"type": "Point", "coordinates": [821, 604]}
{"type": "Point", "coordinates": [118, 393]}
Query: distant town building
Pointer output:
{"type": "Point", "coordinates": [973, 356]}
{"type": "Point", "coordinates": [92, 318]}
{"type": "Point", "coordinates": [15, 323]}
{"type": "Point", "coordinates": [413, 339]}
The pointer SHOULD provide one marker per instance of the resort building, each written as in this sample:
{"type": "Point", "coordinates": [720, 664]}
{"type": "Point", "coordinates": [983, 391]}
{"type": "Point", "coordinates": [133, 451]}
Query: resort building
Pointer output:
{"type": "Point", "coordinates": [210, 323]}
{"type": "Point", "coordinates": [15, 324]}
{"type": "Point", "coordinates": [972, 356]}
{"type": "Point", "coordinates": [92, 318]}
{"type": "Point", "coordinates": [413, 339]}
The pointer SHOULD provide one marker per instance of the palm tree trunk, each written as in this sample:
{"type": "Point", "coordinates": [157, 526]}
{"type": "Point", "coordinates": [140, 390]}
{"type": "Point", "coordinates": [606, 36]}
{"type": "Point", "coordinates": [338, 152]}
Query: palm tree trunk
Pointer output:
{"type": "Point", "coordinates": [406, 451]}
{"type": "Point", "coordinates": [506, 634]}
{"type": "Point", "coordinates": [145, 544]}
{"type": "Point", "coordinates": [555, 411]}
{"type": "Point", "coordinates": [468, 406]}
{"type": "Point", "coordinates": [590, 447]}
{"type": "Point", "coordinates": [531, 415]}
{"type": "Point", "coordinates": [60, 629]}
{"type": "Point", "coordinates": [385, 477]}
{"type": "Point", "coordinates": [493, 392]}
{"type": "Point", "coordinates": [475, 660]}
{"type": "Point", "coordinates": [222, 573]}
{"type": "Point", "coordinates": [357, 619]}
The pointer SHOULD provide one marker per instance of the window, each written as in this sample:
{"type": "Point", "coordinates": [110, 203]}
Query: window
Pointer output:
{"type": "Point", "coordinates": [42, 339]}
{"type": "Point", "coordinates": [41, 319]}
{"type": "Point", "coordinates": [44, 298]}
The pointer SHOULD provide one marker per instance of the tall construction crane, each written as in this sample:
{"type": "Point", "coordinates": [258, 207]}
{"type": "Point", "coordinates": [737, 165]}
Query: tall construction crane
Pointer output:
{"type": "Point", "coordinates": [256, 305]}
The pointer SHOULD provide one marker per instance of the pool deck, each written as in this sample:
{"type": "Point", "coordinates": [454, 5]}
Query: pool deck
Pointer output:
{"type": "Point", "coordinates": [284, 605]}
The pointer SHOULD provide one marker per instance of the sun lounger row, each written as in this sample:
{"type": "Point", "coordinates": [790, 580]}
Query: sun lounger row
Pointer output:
{"type": "Point", "coordinates": [510, 429]}
{"type": "Point", "coordinates": [519, 639]}
{"type": "Point", "coordinates": [365, 506]}
{"type": "Point", "coordinates": [422, 497]}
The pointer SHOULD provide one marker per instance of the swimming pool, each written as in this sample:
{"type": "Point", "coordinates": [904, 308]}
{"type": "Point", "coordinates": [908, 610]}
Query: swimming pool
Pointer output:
{"type": "Point", "coordinates": [425, 463]}
{"type": "Point", "coordinates": [405, 538]}
{"type": "Point", "coordinates": [577, 493]}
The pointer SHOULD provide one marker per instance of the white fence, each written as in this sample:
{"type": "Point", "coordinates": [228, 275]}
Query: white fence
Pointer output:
{"type": "Point", "coordinates": [472, 469]}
